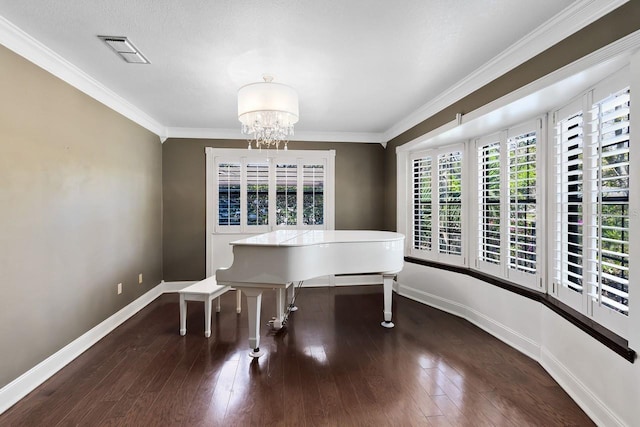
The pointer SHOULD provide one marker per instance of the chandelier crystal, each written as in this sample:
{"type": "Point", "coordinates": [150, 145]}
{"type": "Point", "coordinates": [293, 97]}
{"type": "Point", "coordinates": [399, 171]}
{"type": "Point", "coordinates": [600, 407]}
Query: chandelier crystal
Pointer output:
{"type": "Point", "coordinates": [267, 112]}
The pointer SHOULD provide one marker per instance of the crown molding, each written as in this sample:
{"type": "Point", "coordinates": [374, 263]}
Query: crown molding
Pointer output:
{"type": "Point", "coordinates": [13, 38]}
{"type": "Point", "coordinates": [570, 20]}
{"type": "Point", "coordinates": [204, 133]}
{"type": "Point", "coordinates": [361, 137]}
{"type": "Point", "coordinates": [307, 136]}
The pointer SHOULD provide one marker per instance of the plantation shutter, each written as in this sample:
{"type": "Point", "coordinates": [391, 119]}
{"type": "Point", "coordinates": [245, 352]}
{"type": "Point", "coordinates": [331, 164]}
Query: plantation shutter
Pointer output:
{"type": "Point", "coordinates": [286, 194]}
{"type": "Point", "coordinates": [257, 193]}
{"type": "Point", "coordinates": [568, 253]}
{"type": "Point", "coordinates": [313, 178]}
{"type": "Point", "coordinates": [610, 124]}
{"type": "Point", "coordinates": [422, 204]}
{"type": "Point", "coordinates": [523, 202]}
{"type": "Point", "coordinates": [253, 191]}
{"type": "Point", "coordinates": [450, 203]}
{"type": "Point", "coordinates": [229, 178]}
{"type": "Point", "coordinates": [489, 210]}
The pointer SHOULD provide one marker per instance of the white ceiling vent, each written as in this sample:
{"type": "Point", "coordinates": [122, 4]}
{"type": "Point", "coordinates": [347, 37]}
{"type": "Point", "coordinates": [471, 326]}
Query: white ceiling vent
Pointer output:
{"type": "Point", "coordinates": [125, 49]}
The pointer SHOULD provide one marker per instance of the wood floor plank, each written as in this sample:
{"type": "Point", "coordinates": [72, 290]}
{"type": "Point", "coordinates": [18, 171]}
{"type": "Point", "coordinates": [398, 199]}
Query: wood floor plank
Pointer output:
{"type": "Point", "coordinates": [219, 403]}
{"type": "Point", "coordinates": [169, 404]}
{"type": "Point", "coordinates": [209, 366]}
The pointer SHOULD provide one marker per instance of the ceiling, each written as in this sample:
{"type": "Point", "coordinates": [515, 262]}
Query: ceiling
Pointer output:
{"type": "Point", "coordinates": [364, 69]}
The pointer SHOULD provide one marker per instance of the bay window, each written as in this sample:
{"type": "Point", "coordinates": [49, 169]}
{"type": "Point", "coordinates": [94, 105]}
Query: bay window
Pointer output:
{"type": "Point", "coordinates": [545, 205]}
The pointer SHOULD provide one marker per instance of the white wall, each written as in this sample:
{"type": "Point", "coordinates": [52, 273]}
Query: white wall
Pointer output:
{"type": "Point", "coordinates": [605, 385]}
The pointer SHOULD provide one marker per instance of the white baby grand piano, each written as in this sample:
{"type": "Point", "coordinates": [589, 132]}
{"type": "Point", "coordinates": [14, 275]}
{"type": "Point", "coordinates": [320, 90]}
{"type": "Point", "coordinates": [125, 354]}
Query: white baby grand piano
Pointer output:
{"type": "Point", "coordinates": [275, 260]}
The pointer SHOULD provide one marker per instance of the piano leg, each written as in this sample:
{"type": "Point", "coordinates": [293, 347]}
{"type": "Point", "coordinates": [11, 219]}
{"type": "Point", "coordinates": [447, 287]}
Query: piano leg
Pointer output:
{"type": "Point", "coordinates": [238, 300]}
{"type": "Point", "coordinates": [280, 299]}
{"type": "Point", "coordinates": [387, 284]}
{"type": "Point", "coordinates": [254, 304]}
{"type": "Point", "coordinates": [183, 315]}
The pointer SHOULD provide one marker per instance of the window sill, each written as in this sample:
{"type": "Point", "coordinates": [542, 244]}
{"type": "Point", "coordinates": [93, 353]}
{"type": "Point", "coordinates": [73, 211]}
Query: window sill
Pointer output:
{"type": "Point", "coordinates": [614, 342]}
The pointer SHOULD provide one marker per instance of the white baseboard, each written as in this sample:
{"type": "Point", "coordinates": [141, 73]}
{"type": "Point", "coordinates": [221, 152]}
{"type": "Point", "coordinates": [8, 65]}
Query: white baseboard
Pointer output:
{"type": "Point", "coordinates": [168, 287]}
{"type": "Point", "coordinates": [504, 333]}
{"type": "Point", "coordinates": [584, 398]}
{"type": "Point", "coordinates": [11, 393]}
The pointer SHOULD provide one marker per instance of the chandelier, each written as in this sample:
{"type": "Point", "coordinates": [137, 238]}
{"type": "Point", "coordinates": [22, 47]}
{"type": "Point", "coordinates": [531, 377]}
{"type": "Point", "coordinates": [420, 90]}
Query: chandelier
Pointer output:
{"type": "Point", "coordinates": [267, 112]}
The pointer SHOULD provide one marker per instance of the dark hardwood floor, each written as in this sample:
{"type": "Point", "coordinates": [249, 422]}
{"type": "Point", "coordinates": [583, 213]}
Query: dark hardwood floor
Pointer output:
{"type": "Point", "coordinates": [332, 365]}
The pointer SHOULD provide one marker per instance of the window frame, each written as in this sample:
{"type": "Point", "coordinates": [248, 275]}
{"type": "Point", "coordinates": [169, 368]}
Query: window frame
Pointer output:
{"type": "Point", "coordinates": [531, 280]}
{"type": "Point", "coordinates": [217, 156]}
{"type": "Point", "coordinates": [496, 269]}
{"type": "Point", "coordinates": [584, 301]}
{"type": "Point", "coordinates": [503, 268]}
{"type": "Point", "coordinates": [435, 254]}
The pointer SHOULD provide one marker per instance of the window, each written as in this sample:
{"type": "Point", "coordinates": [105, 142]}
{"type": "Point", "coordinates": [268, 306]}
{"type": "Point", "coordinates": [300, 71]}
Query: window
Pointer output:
{"type": "Point", "coordinates": [489, 221]}
{"type": "Point", "coordinates": [287, 194]}
{"type": "Point", "coordinates": [592, 157]}
{"type": "Point", "coordinates": [422, 204]}
{"type": "Point", "coordinates": [523, 206]}
{"type": "Point", "coordinates": [257, 192]}
{"type": "Point", "coordinates": [253, 191]}
{"type": "Point", "coordinates": [450, 203]}
{"type": "Point", "coordinates": [437, 230]}
{"type": "Point", "coordinates": [229, 194]}
{"type": "Point", "coordinates": [507, 214]}
{"type": "Point", "coordinates": [313, 179]}
{"type": "Point", "coordinates": [610, 121]}
{"type": "Point", "coordinates": [568, 260]}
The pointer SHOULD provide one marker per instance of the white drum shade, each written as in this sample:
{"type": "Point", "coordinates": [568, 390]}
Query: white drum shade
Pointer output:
{"type": "Point", "coordinates": [256, 99]}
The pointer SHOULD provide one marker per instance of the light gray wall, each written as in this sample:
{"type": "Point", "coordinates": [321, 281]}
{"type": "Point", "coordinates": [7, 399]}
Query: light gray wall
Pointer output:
{"type": "Point", "coordinates": [360, 182]}
{"type": "Point", "coordinates": [617, 24]}
{"type": "Point", "coordinates": [80, 211]}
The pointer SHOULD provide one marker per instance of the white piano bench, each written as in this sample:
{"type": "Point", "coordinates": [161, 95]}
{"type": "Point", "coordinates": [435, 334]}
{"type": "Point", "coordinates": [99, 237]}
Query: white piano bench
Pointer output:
{"type": "Point", "coordinates": [205, 290]}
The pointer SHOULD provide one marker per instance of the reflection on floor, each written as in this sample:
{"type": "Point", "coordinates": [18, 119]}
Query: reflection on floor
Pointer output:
{"type": "Point", "coordinates": [332, 365]}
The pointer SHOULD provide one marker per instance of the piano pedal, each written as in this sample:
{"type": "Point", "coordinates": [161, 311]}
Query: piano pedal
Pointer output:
{"type": "Point", "coordinates": [275, 324]}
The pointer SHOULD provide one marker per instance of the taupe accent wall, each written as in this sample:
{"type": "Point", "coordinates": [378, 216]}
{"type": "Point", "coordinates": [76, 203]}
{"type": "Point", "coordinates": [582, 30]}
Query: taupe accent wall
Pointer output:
{"type": "Point", "coordinates": [613, 26]}
{"type": "Point", "coordinates": [360, 185]}
{"type": "Point", "coordinates": [80, 211]}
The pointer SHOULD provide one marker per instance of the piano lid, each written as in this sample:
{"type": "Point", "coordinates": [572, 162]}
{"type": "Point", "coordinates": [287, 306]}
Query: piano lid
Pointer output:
{"type": "Point", "coordinates": [315, 237]}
